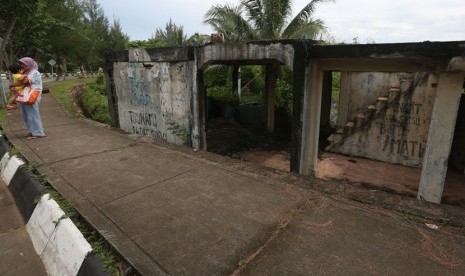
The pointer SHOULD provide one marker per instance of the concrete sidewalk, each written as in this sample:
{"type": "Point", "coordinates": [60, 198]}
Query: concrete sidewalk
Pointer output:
{"type": "Point", "coordinates": [172, 213]}
{"type": "Point", "coordinates": [17, 254]}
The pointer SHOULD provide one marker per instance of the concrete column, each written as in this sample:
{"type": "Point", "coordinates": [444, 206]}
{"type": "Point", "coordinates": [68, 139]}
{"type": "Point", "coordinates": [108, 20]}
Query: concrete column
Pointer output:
{"type": "Point", "coordinates": [271, 78]}
{"type": "Point", "coordinates": [199, 139]}
{"type": "Point", "coordinates": [441, 133]}
{"type": "Point", "coordinates": [311, 119]}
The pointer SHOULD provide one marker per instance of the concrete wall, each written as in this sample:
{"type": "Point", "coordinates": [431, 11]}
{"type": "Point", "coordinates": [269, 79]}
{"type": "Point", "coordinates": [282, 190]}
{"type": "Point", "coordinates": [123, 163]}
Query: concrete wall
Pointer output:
{"type": "Point", "coordinates": [154, 97]}
{"type": "Point", "coordinates": [159, 92]}
{"type": "Point", "coordinates": [397, 130]}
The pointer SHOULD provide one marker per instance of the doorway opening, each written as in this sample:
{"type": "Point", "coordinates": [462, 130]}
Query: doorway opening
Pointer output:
{"type": "Point", "coordinates": [237, 119]}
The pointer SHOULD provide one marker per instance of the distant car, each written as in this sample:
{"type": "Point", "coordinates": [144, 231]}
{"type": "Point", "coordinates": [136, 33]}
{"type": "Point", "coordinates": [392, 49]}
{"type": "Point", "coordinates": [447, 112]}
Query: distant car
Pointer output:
{"type": "Point", "coordinates": [3, 76]}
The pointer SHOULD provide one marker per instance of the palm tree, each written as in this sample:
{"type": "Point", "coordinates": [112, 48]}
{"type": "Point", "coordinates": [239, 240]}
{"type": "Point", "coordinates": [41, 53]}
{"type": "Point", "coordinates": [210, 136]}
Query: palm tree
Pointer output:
{"type": "Point", "coordinates": [265, 19]}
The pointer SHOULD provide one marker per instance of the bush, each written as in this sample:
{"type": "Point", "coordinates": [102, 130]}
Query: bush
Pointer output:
{"type": "Point", "coordinates": [284, 91]}
{"type": "Point", "coordinates": [223, 95]}
{"type": "Point", "coordinates": [94, 102]}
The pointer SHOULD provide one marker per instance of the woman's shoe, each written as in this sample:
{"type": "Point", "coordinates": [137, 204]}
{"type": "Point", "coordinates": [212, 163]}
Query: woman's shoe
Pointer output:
{"type": "Point", "coordinates": [35, 137]}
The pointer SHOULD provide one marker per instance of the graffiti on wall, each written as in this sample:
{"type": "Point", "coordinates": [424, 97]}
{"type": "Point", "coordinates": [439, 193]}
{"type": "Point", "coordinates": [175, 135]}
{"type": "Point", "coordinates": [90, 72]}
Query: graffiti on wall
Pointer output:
{"type": "Point", "coordinates": [397, 130]}
{"type": "Point", "coordinates": [145, 124]}
{"type": "Point", "coordinates": [405, 148]}
{"type": "Point", "coordinates": [138, 89]}
{"type": "Point", "coordinates": [401, 118]}
{"type": "Point", "coordinates": [150, 96]}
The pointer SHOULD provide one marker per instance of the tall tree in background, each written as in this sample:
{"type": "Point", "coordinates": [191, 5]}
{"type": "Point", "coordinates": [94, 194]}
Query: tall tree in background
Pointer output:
{"type": "Point", "coordinates": [66, 32]}
{"type": "Point", "coordinates": [70, 31]}
{"type": "Point", "coordinates": [96, 28]}
{"type": "Point", "coordinates": [16, 16]}
{"type": "Point", "coordinates": [172, 35]}
{"type": "Point", "coordinates": [118, 39]}
{"type": "Point", "coordinates": [100, 36]}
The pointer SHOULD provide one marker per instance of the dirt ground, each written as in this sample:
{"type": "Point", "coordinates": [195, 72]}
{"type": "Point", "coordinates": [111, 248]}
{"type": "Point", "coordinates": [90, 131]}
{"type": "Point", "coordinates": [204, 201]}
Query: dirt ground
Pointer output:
{"type": "Point", "coordinates": [227, 137]}
{"type": "Point", "coordinates": [369, 173]}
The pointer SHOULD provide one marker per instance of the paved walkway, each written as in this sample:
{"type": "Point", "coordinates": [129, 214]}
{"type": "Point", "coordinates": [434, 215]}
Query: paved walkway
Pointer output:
{"type": "Point", "coordinates": [170, 211]}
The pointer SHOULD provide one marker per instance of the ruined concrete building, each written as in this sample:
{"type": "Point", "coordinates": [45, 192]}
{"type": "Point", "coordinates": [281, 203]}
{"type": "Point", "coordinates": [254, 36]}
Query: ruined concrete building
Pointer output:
{"type": "Point", "coordinates": [400, 103]}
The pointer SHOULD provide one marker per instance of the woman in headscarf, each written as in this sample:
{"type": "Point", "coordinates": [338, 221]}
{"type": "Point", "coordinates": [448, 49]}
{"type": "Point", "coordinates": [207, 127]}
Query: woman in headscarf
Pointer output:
{"type": "Point", "coordinates": [30, 113]}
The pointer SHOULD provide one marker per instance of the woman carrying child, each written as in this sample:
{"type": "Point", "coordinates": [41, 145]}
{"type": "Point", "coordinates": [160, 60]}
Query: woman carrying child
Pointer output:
{"type": "Point", "coordinates": [31, 115]}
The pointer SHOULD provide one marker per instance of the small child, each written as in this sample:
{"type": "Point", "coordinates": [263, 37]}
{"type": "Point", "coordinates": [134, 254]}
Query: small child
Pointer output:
{"type": "Point", "coordinates": [18, 84]}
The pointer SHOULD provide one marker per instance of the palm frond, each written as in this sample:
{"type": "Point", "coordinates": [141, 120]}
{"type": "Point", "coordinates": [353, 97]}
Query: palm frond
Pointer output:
{"type": "Point", "coordinates": [311, 30]}
{"type": "Point", "coordinates": [304, 20]}
{"type": "Point", "coordinates": [254, 12]}
{"type": "Point", "coordinates": [228, 19]}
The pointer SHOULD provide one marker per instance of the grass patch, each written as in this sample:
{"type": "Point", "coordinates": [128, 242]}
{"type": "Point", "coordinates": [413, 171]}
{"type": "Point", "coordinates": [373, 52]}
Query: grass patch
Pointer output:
{"type": "Point", "coordinates": [3, 114]}
{"type": "Point", "coordinates": [327, 192]}
{"type": "Point", "coordinates": [62, 92]}
{"type": "Point", "coordinates": [408, 215]}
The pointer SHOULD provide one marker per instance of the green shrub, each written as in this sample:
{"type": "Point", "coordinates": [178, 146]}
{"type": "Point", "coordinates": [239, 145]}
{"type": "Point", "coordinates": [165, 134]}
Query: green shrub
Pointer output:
{"type": "Point", "coordinates": [223, 95]}
{"type": "Point", "coordinates": [100, 80]}
{"type": "Point", "coordinates": [94, 102]}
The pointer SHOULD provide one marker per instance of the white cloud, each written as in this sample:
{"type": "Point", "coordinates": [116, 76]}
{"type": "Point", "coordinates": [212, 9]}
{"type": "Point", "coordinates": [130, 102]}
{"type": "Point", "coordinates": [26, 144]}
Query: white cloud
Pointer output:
{"type": "Point", "coordinates": [369, 20]}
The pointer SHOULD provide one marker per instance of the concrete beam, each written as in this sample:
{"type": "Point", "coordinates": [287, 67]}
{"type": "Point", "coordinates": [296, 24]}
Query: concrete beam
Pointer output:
{"type": "Point", "coordinates": [311, 119]}
{"type": "Point", "coordinates": [254, 53]}
{"type": "Point", "coordinates": [441, 133]}
{"type": "Point", "coordinates": [383, 64]}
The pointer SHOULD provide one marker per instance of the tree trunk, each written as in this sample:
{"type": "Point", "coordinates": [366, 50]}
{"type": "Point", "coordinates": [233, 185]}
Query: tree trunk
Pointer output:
{"type": "Point", "coordinates": [64, 69]}
{"type": "Point", "coordinates": [6, 38]}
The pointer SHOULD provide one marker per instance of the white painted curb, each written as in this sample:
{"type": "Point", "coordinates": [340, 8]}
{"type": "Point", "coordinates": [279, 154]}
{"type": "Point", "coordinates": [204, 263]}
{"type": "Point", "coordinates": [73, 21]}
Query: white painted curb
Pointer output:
{"type": "Point", "coordinates": [4, 161]}
{"type": "Point", "coordinates": [11, 167]}
{"type": "Point", "coordinates": [55, 238]}
{"type": "Point", "coordinates": [66, 249]}
{"type": "Point", "coordinates": [41, 223]}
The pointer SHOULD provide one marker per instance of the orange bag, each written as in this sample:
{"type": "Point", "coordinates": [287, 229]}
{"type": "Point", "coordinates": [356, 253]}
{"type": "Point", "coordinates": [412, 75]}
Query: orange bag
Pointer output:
{"type": "Point", "coordinates": [28, 96]}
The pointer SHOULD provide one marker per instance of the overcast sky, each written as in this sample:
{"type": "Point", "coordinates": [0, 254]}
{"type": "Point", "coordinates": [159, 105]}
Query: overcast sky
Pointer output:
{"type": "Point", "coordinates": [379, 21]}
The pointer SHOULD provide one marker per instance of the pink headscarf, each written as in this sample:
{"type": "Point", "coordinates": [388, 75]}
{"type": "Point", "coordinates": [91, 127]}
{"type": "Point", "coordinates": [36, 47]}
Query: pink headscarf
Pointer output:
{"type": "Point", "coordinates": [30, 63]}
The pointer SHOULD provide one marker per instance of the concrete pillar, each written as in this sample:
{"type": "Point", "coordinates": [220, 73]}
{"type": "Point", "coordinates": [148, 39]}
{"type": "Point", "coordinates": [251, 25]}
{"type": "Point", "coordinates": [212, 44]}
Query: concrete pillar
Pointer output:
{"type": "Point", "coordinates": [311, 119]}
{"type": "Point", "coordinates": [441, 133]}
{"type": "Point", "coordinates": [271, 78]}
{"type": "Point", "coordinates": [199, 139]}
